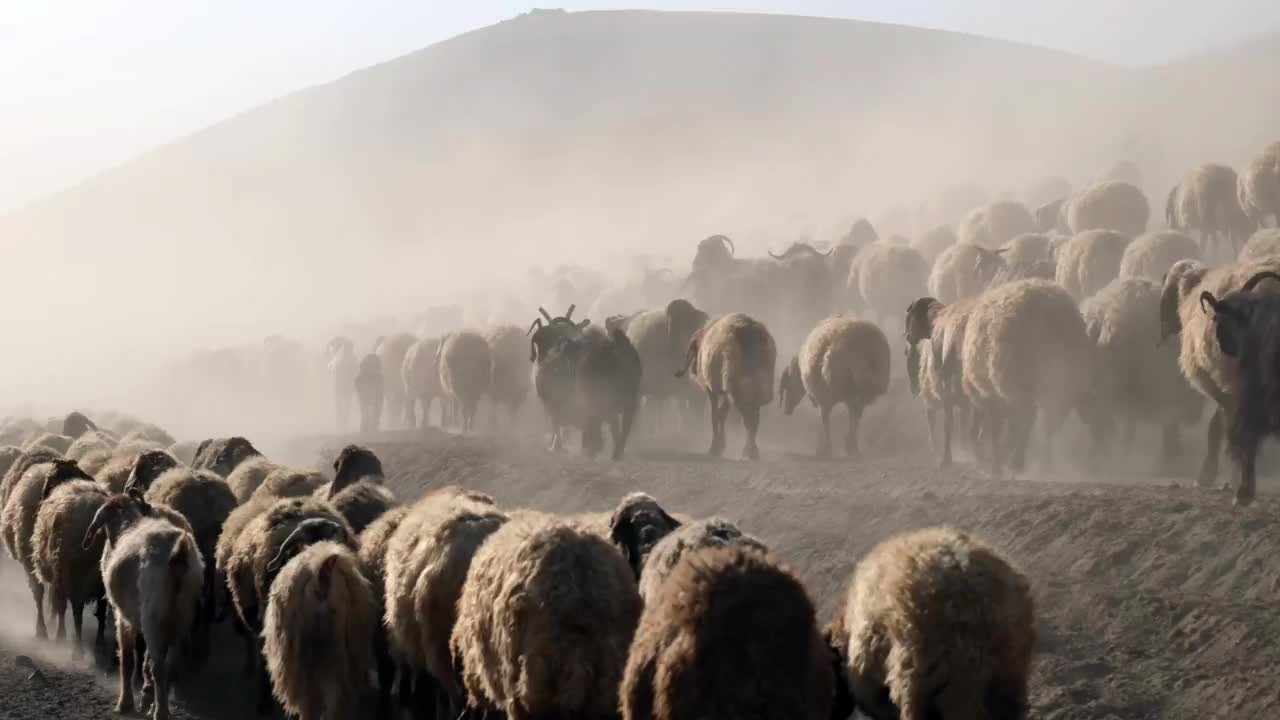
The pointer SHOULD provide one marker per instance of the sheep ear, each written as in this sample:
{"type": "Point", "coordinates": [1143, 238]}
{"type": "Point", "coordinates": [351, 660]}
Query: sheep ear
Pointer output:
{"type": "Point", "coordinates": [94, 529]}
{"type": "Point", "coordinates": [1207, 300]}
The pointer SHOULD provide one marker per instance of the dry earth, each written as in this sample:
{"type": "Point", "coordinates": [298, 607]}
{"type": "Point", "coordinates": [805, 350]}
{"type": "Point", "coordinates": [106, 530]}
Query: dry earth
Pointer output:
{"type": "Point", "coordinates": [1155, 601]}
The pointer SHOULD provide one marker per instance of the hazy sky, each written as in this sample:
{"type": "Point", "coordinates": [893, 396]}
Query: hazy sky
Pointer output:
{"type": "Point", "coordinates": [90, 83]}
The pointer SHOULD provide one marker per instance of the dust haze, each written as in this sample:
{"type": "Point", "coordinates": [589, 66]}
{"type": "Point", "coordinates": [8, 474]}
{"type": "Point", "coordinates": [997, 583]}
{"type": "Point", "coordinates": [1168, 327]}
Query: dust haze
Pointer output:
{"type": "Point", "coordinates": [481, 172]}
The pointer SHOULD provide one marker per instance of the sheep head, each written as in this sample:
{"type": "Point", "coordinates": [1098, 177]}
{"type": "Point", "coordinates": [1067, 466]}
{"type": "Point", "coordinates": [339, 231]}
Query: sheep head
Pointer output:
{"type": "Point", "coordinates": [1177, 283]}
{"type": "Point", "coordinates": [147, 467]}
{"type": "Point", "coordinates": [235, 451]}
{"type": "Point", "coordinates": [352, 464]}
{"type": "Point", "coordinates": [116, 514]}
{"type": "Point", "coordinates": [62, 471]}
{"type": "Point", "coordinates": [307, 533]}
{"type": "Point", "coordinates": [637, 524]}
{"type": "Point", "coordinates": [713, 253]}
{"type": "Point", "coordinates": [790, 387]}
{"type": "Point", "coordinates": [76, 424]}
{"type": "Point", "coordinates": [919, 321]}
{"type": "Point", "coordinates": [1232, 314]}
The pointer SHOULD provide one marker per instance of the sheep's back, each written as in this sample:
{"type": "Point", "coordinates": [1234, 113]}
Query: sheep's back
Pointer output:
{"type": "Point", "coordinates": [737, 356]}
{"type": "Point", "coordinates": [59, 558]}
{"type": "Point", "coordinates": [249, 476]}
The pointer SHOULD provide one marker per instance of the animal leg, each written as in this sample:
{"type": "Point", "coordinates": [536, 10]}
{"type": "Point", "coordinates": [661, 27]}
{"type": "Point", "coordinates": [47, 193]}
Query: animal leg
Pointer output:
{"type": "Point", "coordinates": [855, 422]}
{"type": "Point", "coordinates": [160, 662]}
{"type": "Point", "coordinates": [717, 426]}
{"type": "Point", "coordinates": [751, 421]}
{"type": "Point", "coordinates": [100, 641]}
{"type": "Point", "coordinates": [912, 692]}
{"type": "Point", "coordinates": [124, 638]}
{"type": "Point", "coordinates": [824, 435]}
{"type": "Point", "coordinates": [948, 422]}
{"type": "Point", "coordinates": [1247, 489]}
{"type": "Point", "coordinates": [930, 418]}
{"type": "Point", "coordinates": [996, 461]}
{"type": "Point", "coordinates": [1209, 470]}
{"type": "Point", "coordinates": [77, 621]}
{"type": "Point", "coordinates": [37, 592]}
{"type": "Point", "coordinates": [59, 609]}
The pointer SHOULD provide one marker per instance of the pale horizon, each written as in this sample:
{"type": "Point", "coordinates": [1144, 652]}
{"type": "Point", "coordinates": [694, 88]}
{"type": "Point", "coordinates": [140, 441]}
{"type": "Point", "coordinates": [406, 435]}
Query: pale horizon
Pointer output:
{"type": "Point", "coordinates": [87, 90]}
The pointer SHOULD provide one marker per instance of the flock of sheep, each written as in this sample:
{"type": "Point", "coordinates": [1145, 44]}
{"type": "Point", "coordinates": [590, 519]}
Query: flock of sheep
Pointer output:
{"type": "Point", "coordinates": [453, 604]}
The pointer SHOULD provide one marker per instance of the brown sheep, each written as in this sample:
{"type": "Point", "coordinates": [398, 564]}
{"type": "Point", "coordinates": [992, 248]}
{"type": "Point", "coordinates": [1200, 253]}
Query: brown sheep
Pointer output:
{"type": "Point", "coordinates": [733, 358]}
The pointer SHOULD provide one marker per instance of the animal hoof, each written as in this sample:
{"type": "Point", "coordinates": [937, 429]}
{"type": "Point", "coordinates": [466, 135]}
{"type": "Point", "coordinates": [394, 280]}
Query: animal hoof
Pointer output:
{"type": "Point", "coordinates": [125, 707]}
{"type": "Point", "coordinates": [1243, 498]}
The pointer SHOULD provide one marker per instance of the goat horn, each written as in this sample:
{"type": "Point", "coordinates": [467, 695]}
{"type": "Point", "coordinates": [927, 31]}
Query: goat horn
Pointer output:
{"type": "Point", "coordinates": [777, 257]}
{"type": "Point", "coordinates": [568, 314]}
{"type": "Point", "coordinates": [545, 314]}
{"type": "Point", "coordinates": [1253, 281]}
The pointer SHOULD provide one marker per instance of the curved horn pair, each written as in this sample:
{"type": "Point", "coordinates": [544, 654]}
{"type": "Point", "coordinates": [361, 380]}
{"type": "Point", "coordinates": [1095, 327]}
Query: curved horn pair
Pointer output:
{"type": "Point", "coordinates": [1252, 282]}
{"type": "Point", "coordinates": [537, 323]}
{"type": "Point", "coordinates": [726, 242]}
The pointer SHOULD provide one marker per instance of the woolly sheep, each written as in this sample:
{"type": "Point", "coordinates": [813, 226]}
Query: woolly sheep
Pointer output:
{"type": "Point", "coordinates": [1109, 205]}
{"type": "Point", "coordinates": [636, 525]}
{"type": "Point", "coordinates": [288, 482]}
{"type": "Point", "coordinates": [691, 536]}
{"type": "Point", "coordinates": [61, 443]}
{"type": "Point", "coordinates": [1151, 255]}
{"type": "Point", "coordinates": [937, 623]}
{"type": "Point", "coordinates": [726, 614]}
{"type": "Point", "coordinates": [1214, 374]}
{"type": "Point", "coordinates": [932, 243]}
{"type": "Point", "coordinates": [115, 473]}
{"type": "Point", "coordinates": [1263, 244]}
{"type": "Point", "coordinates": [356, 490]}
{"type": "Point", "coordinates": [887, 277]}
{"type": "Point", "coordinates": [9, 454]}
{"type": "Point", "coordinates": [996, 223]}
{"type": "Point", "coordinates": [373, 556]}
{"type": "Point", "coordinates": [68, 569]}
{"type": "Point", "coordinates": [465, 363]}
{"type": "Point", "coordinates": [228, 541]}
{"type": "Point", "coordinates": [352, 464]}
{"type": "Point", "coordinates": [318, 631]}
{"type": "Point", "coordinates": [1137, 378]}
{"type": "Point", "coordinates": [148, 433]}
{"type": "Point", "coordinates": [660, 337]}
{"type": "Point", "coordinates": [87, 442]}
{"type": "Point", "coordinates": [1259, 187]}
{"type": "Point", "coordinates": [519, 608]}
{"type": "Point", "coordinates": [842, 361]}
{"type": "Point", "coordinates": [1206, 201]}
{"type": "Point", "coordinates": [13, 431]}
{"type": "Point", "coordinates": [962, 271]}
{"type": "Point", "coordinates": [223, 455]}
{"type": "Point", "coordinates": [733, 359]}
{"type": "Point", "coordinates": [249, 476]}
{"type": "Point", "coordinates": [1245, 325]}
{"type": "Point", "coordinates": [152, 573]}
{"type": "Point", "coordinates": [421, 380]}
{"type": "Point", "coordinates": [935, 341]}
{"type": "Point", "coordinates": [76, 424]}
{"type": "Point", "coordinates": [509, 380]}
{"type": "Point", "coordinates": [20, 466]}
{"type": "Point", "coordinates": [427, 559]}
{"type": "Point", "coordinates": [390, 352]}
{"type": "Point", "coordinates": [1025, 348]}
{"type": "Point", "coordinates": [1089, 261]}
{"type": "Point", "coordinates": [95, 460]}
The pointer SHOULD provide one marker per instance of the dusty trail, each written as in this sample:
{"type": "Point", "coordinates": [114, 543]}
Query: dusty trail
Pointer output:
{"type": "Point", "coordinates": [1154, 602]}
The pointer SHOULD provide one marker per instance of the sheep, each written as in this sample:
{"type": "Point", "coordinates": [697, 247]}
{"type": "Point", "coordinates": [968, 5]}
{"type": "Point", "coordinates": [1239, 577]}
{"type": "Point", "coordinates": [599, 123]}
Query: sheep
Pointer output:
{"type": "Point", "coordinates": [1025, 348]}
{"type": "Point", "coordinates": [390, 352]}
{"type": "Point", "coordinates": [76, 424]}
{"type": "Point", "coordinates": [1259, 187]}
{"type": "Point", "coordinates": [465, 363]}
{"type": "Point", "coordinates": [1137, 378]}
{"type": "Point", "coordinates": [1109, 205]}
{"type": "Point", "coordinates": [1151, 255]}
{"type": "Point", "coordinates": [373, 556]}
{"type": "Point", "coordinates": [13, 431]}
{"type": "Point", "coordinates": [937, 624]}
{"type": "Point", "coordinates": [935, 340]}
{"type": "Point", "coordinates": [426, 563]}
{"type": "Point", "coordinates": [94, 460]}
{"type": "Point", "coordinates": [223, 455]}
{"type": "Point", "coordinates": [724, 615]}
{"type": "Point", "coordinates": [842, 361]}
{"type": "Point", "coordinates": [421, 380]}
{"type": "Point", "coordinates": [519, 608]}
{"type": "Point", "coordinates": [1089, 261]}
{"type": "Point", "coordinates": [340, 363]}
{"type": "Point", "coordinates": [996, 223]}
{"type": "Point", "coordinates": [148, 433]}
{"type": "Point", "coordinates": [369, 392]}
{"type": "Point", "coordinates": [636, 525]}
{"type": "Point", "coordinates": [509, 379]}
{"type": "Point", "coordinates": [20, 466]}
{"type": "Point", "coordinates": [694, 535]}
{"type": "Point", "coordinates": [932, 243]}
{"type": "Point", "coordinates": [68, 569]}
{"type": "Point", "coordinates": [1052, 216]}
{"type": "Point", "coordinates": [353, 464]}
{"type": "Point", "coordinates": [152, 574]}
{"type": "Point", "coordinates": [1215, 374]}
{"type": "Point", "coordinates": [660, 337]}
{"type": "Point", "coordinates": [17, 521]}
{"type": "Point", "coordinates": [318, 631]}
{"type": "Point", "coordinates": [733, 359]}
{"type": "Point", "coordinates": [249, 476]}
{"type": "Point", "coordinates": [249, 576]}
{"type": "Point", "coordinates": [147, 467]}
{"type": "Point", "coordinates": [228, 542]}
{"type": "Point", "coordinates": [887, 277]}
{"type": "Point", "coordinates": [87, 442]}
{"type": "Point", "coordinates": [1263, 244]}
{"type": "Point", "coordinates": [9, 454]}
{"type": "Point", "coordinates": [1245, 327]}
{"type": "Point", "coordinates": [61, 443]}
{"type": "Point", "coordinates": [288, 482]}
{"type": "Point", "coordinates": [356, 490]}
{"type": "Point", "coordinates": [1206, 201]}
{"type": "Point", "coordinates": [962, 271]}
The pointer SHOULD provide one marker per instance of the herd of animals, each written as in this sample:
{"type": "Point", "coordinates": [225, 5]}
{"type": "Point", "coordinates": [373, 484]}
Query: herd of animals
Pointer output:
{"type": "Point", "coordinates": [452, 604]}
{"type": "Point", "coordinates": [350, 603]}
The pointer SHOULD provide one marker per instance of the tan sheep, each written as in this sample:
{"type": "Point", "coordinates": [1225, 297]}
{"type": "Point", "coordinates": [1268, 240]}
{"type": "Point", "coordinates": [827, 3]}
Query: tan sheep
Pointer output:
{"type": "Point", "coordinates": [58, 442]}
{"type": "Point", "coordinates": [319, 627]}
{"type": "Point", "coordinates": [1259, 187]}
{"type": "Point", "coordinates": [1151, 255]}
{"type": "Point", "coordinates": [390, 352]}
{"type": "Point", "coordinates": [935, 341]}
{"type": "Point", "coordinates": [733, 359]}
{"type": "Point", "coordinates": [289, 482]}
{"type": "Point", "coordinates": [1025, 349]}
{"type": "Point", "coordinates": [842, 361]}
{"type": "Point", "coordinates": [1263, 244]}
{"type": "Point", "coordinates": [465, 363]}
{"type": "Point", "coordinates": [20, 465]}
{"type": "Point", "coordinates": [887, 277]}
{"type": "Point", "coordinates": [724, 615]}
{"type": "Point", "coordinates": [996, 223]}
{"type": "Point", "coordinates": [1089, 261]}
{"type": "Point", "coordinates": [249, 476]}
{"type": "Point", "coordinates": [962, 271]}
{"type": "Point", "coordinates": [695, 535]}
{"type": "Point", "coordinates": [427, 559]}
{"type": "Point", "coordinates": [937, 624]}
{"type": "Point", "coordinates": [89, 441]}
{"type": "Point", "coordinates": [69, 570]}
{"type": "Point", "coordinates": [932, 243]}
{"type": "Point", "coordinates": [1206, 201]}
{"type": "Point", "coordinates": [421, 380]}
{"type": "Point", "coordinates": [1109, 205]}
{"type": "Point", "coordinates": [545, 621]}
{"type": "Point", "coordinates": [509, 383]}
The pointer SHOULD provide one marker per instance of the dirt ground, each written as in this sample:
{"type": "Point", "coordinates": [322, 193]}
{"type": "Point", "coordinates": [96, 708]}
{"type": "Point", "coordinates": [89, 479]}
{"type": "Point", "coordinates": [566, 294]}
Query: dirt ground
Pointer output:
{"type": "Point", "coordinates": [1154, 600]}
